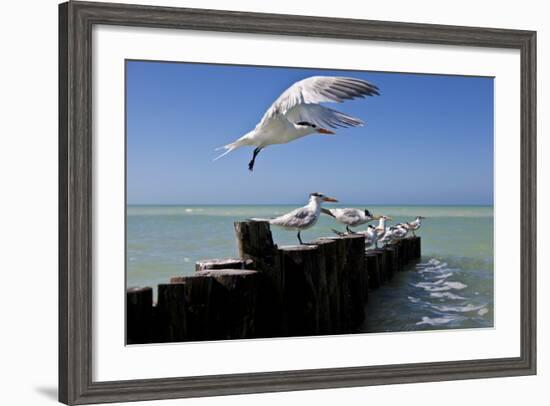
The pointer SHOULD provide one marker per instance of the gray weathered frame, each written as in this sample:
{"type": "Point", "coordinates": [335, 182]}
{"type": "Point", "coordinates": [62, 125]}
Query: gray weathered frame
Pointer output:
{"type": "Point", "coordinates": [75, 199]}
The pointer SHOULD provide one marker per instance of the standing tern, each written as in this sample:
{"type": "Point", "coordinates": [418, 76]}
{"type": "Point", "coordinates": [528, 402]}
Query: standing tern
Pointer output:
{"type": "Point", "coordinates": [394, 233]}
{"type": "Point", "coordinates": [297, 113]}
{"type": "Point", "coordinates": [350, 217]}
{"type": "Point", "coordinates": [302, 218]}
{"type": "Point", "coordinates": [381, 228]}
{"type": "Point", "coordinates": [414, 225]}
{"type": "Point", "coordinates": [370, 234]}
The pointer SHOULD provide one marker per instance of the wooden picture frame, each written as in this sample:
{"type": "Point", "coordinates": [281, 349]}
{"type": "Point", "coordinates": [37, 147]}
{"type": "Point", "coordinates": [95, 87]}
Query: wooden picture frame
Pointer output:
{"type": "Point", "coordinates": [76, 20]}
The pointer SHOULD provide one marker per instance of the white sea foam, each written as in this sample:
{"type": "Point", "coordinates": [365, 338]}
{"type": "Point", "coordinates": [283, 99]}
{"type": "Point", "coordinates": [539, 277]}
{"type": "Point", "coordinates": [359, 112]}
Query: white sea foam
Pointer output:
{"type": "Point", "coordinates": [440, 285]}
{"type": "Point", "coordinates": [433, 269]}
{"type": "Point", "coordinates": [446, 295]}
{"type": "Point", "coordinates": [459, 309]}
{"type": "Point", "coordinates": [443, 276]}
{"type": "Point", "coordinates": [456, 285]}
{"type": "Point", "coordinates": [483, 311]}
{"type": "Point", "coordinates": [435, 321]}
{"type": "Point", "coordinates": [413, 299]}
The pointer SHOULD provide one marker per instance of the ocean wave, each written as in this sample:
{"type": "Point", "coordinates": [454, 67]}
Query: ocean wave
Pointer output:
{"type": "Point", "coordinates": [441, 286]}
{"type": "Point", "coordinates": [446, 295]}
{"type": "Point", "coordinates": [460, 309]}
{"type": "Point", "coordinates": [436, 321]}
{"type": "Point", "coordinates": [431, 263]}
{"type": "Point", "coordinates": [443, 276]}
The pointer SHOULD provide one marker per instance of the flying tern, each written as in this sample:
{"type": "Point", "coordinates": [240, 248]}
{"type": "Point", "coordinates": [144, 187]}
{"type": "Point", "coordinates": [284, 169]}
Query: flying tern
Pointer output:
{"type": "Point", "coordinates": [297, 113]}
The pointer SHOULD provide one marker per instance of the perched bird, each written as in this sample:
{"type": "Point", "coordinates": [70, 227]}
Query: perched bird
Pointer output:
{"type": "Point", "coordinates": [297, 113]}
{"type": "Point", "coordinates": [381, 228]}
{"type": "Point", "coordinates": [414, 225]}
{"type": "Point", "coordinates": [302, 218]}
{"type": "Point", "coordinates": [394, 233]}
{"type": "Point", "coordinates": [350, 217]}
{"type": "Point", "coordinates": [371, 236]}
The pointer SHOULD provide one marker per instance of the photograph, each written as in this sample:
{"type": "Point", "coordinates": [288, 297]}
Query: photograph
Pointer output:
{"type": "Point", "coordinates": [266, 202]}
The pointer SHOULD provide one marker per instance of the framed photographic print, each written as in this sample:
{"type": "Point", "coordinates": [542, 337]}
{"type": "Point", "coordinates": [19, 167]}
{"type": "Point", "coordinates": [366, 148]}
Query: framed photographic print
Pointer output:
{"type": "Point", "coordinates": [258, 202]}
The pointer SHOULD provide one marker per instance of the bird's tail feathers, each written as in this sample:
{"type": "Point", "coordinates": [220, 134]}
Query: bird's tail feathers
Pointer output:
{"type": "Point", "coordinates": [228, 149]}
{"type": "Point", "coordinates": [327, 211]}
{"type": "Point", "coordinates": [259, 219]}
{"type": "Point", "coordinates": [244, 140]}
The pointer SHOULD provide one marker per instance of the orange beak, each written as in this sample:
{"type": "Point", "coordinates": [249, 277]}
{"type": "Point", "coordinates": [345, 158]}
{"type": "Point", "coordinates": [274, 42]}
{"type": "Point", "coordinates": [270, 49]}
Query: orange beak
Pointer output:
{"type": "Point", "coordinates": [330, 199]}
{"type": "Point", "coordinates": [325, 131]}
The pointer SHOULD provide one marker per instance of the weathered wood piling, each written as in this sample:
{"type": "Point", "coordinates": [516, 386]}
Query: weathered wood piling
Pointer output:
{"type": "Point", "coordinates": [139, 315]}
{"type": "Point", "coordinates": [269, 291]}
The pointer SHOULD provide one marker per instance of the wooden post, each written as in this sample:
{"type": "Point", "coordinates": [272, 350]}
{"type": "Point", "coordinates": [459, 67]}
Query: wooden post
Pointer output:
{"type": "Point", "coordinates": [220, 304]}
{"type": "Point", "coordinates": [226, 263]}
{"type": "Point", "coordinates": [371, 259]}
{"type": "Point", "coordinates": [255, 242]}
{"type": "Point", "coordinates": [405, 252]}
{"type": "Point", "coordinates": [171, 314]}
{"type": "Point", "coordinates": [381, 253]}
{"type": "Point", "coordinates": [200, 323]}
{"type": "Point", "coordinates": [355, 267]}
{"type": "Point", "coordinates": [139, 315]}
{"type": "Point", "coordinates": [398, 248]}
{"type": "Point", "coordinates": [417, 248]}
{"type": "Point", "coordinates": [329, 288]}
{"type": "Point", "coordinates": [300, 267]}
{"type": "Point", "coordinates": [234, 307]}
{"type": "Point", "coordinates": [340, 278]}
{"type": "Point", "coordinates": [391, 261]}
{"type": "Point", "coordinates": [410, 251]}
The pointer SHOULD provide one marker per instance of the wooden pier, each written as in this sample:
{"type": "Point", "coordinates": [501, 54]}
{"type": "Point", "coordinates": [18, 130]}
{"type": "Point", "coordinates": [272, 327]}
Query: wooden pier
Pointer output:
{"type": "Point", "coordinates": [269, 291]}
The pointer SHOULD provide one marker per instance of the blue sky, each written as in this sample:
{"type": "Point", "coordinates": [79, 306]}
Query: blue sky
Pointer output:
{"type": "Point", "coordinates": [428, 139]}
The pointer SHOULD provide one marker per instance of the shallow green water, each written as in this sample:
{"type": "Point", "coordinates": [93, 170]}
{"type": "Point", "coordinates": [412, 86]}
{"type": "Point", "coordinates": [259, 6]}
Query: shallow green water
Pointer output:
{"type": "Point", "coordinates": [451, 287]}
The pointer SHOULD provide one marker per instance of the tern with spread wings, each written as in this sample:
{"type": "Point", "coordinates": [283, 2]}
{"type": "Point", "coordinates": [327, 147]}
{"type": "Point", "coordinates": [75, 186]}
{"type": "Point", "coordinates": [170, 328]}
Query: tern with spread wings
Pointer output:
{"type": "Point", "coordinates": [297, 113]}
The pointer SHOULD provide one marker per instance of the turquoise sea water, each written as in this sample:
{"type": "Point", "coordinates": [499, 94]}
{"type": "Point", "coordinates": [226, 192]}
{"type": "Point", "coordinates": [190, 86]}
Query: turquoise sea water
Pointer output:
{"type": "Point", "coordinates": [451, 287]}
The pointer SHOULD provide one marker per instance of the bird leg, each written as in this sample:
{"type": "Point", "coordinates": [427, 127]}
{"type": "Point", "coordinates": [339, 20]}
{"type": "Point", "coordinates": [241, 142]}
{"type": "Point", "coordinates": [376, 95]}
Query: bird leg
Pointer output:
{"type": "Point", "coordinates": [341, 234]}
{"type": "Point", "coordinates": [350, 231]}
{"type": "Point", "coordinates": [254, 155]}
{"type": "Point", "coordinates": [300, 239]}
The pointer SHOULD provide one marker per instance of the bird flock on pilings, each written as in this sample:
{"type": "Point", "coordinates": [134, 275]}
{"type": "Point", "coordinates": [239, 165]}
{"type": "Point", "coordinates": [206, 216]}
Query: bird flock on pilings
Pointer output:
{"type": "Point", "coordinates": [296, 113]}
{"type": "Point", "coordinates": [307, 216]}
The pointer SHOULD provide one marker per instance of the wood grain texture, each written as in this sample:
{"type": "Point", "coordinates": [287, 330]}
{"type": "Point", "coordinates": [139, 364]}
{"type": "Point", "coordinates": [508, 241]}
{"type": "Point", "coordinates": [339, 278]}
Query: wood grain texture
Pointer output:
{"type": "Point", "coordinates": [75, 196]}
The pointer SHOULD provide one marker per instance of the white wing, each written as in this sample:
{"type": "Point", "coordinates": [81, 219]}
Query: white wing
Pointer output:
{"type": "Point", "coordinates": [349, 213]}
{"type": "Point", "coordinates": [299, 218]}
{"type": "Point", "coordinates": [319, 89]}
{"type": "Point", "coordinates": [321, 116]}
